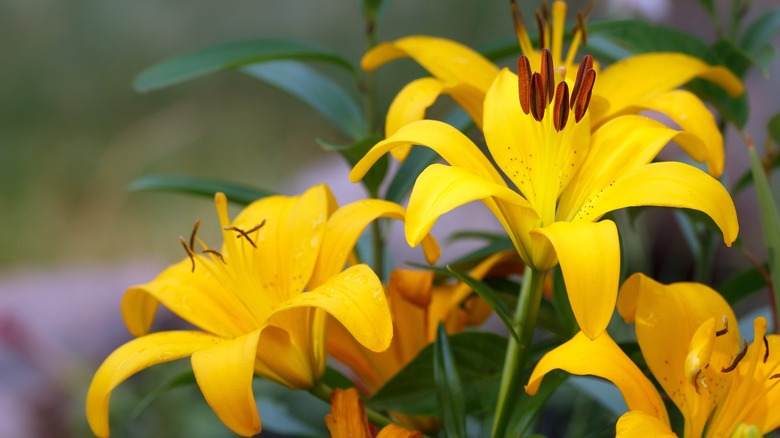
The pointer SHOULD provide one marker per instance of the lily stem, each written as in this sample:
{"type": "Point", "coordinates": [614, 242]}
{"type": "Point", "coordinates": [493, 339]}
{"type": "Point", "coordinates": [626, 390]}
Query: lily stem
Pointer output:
{"type": "Point", "coordinates": [517, 353]}
{"type": "Point", "coordinates": [323, 392]}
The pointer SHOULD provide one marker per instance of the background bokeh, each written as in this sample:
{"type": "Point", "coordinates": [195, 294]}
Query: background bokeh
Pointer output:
{"type": "Point", "coordinates": [74, 134]}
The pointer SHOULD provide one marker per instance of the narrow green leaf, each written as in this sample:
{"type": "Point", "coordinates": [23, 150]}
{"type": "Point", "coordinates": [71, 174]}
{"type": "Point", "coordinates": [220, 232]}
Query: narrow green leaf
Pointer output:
{"type": "Point", "coordinates": [773, 129]}
{"type": "Point", "coordinates": [761, 32]}
{"type": "Point", "coordinates": [449, 391]}
{"type": "Point", "coordinates": [770, 224]}
{"type": "Point", "coordinates": [561, 304]}
{"type": "Point", "coordinates": [527, 407]}
{"type": "Point", "coordinates": [186, 378]}
{"type": "Point", "coordinates": [742, 285]}
{"type": "Point", "coordinates": [230, 56]}
{"type": "Point", "coordinates": [479, 357]}
{"type": "Point", "coordinates": [334, 378]}
{"type": "Point", "coordinates": [315, 89]}
{"type": "Point", "coordinates": [354, 152]}
{"type": "Point", "coordinates": [237, 193]}
{"type": "Point", "coordinates": [491, 297]}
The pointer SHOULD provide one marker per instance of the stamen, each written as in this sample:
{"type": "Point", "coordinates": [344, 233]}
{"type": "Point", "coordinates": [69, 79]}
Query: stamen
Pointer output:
{"type": "Point", "coordinates": [216, 253]}
{"type": "Point", "coordinates": [585, 65]}
{"type": "Point", "coordinates": [725, 328]}
{"type": "Point", "coordinates": [524, 82]}
{"type": "Point", "coordinates": [538, 99]}
{"type": "Point", "coordinates": [548, 75]}
{"type": "Point", "coordinates": [540, 25]}
{"type": "Point", "coordinates": [561, 107]}
{"type": "Point", "coordinates": [189, 252]}
{"type": "Point", "coordinates": [583, 99]}
{"type": "Point", "coordinates": [192, 235]}
{"type": "Point", "coordinates": [774, 376]}
{"type": "Point", "coordinates": [582, 28]}
{"type": "Point", "coordinates": [520, 30]}
{"type": "Point", "coordinates": [766, 344]}
{"type": "Point", "coordinates": [245, 234]}
{"type": "Point", "coordinates": [737, 359]}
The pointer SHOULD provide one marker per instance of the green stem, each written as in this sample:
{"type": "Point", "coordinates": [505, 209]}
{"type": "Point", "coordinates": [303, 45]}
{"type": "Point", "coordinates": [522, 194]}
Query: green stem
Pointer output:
{"type": "Point", "coordinates": [517, 353]}
{"type": "Point", "coordinates": [323, 392]}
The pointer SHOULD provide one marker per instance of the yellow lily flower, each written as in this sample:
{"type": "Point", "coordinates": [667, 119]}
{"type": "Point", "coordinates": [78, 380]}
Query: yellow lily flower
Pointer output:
{"type": "Point", "coordinates": [348, 418]}
{"type": "Point", "coordinates": [690, 340]}
{"type": "Point", "coordinates": [566, 178]}
{"type": "Point", "coordinates": [641, 82]}
{"type": "Point", "coordinates": [260, 303]}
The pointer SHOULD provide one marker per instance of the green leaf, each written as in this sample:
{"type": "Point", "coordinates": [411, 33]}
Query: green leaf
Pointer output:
{"type": "Point", "coordinates": [479, 357]}
{"type": "Point", "coordinates": [773, 128]}
{"type": "Point", "coordinates": [186, 378]}
{"type": "Point", "coordinates": [491, 297]}
{"type": "Point", "coordinates": [354, 152]}
{"type": "Point", "coordinates": [237, 193]}
{"type": "Point", "coordinates": [527, 407]}
{"type": "Point", "coordinates": [230, 56]}
{"type": "Point", "coordinates": [315, 89]}
{"type": "Point", "coordinates": [742, 285]}
{"type": "Point", "coordinates": [757, 40]}
{"type": "Point", "coordinates": [770, 224]}
{"type": "Point", "coordinates": [561, 304]}
{"type": "Point", "coordinates": [449, 392]}
{"type": "Point", "coordinates": [709, 5]}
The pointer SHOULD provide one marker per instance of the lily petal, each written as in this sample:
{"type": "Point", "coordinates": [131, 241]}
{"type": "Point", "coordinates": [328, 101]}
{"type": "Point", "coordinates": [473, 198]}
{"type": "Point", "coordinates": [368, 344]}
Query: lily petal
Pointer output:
{"type": "Point", "coordinates": [447, 60]}
{"type": "Point", "coordinates": [688, 111]}
{"type": "Point", "coordinates": [348, 415]}
{"type": "Point", "coordinates": [589, 254]}
{"type": "Point", "coordinates": [224, 374]}
{"type": "Point", "coordinates": [448, 142]}
{"type": "Point", "coordinates": [132, 357]}
{"type": "Point", "coordinates": [441, 188]}
{"type": "Point", "coordinates": [622, 87]}
{"type": "Point", "coordinates": [410, 104]}
{"type": "Point", "coordinates": [637, 424]}
{"type": "Point", "coordinates": [602, 357]}
{"type": "Point", "coordinates": [345, 227]}
{"type": "Point", "coordinates": [668, 184]}
{"type": "Point", "coordinates": [356, 299]}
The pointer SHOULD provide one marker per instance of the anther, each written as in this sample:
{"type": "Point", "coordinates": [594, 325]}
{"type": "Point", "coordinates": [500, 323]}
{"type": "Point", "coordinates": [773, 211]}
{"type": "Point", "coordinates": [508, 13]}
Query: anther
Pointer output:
{"type": "Point", "coordinates": [189, 252]}
{"type": "Point", "coordinates": [538, 99]}
{"type": "Point", "coordinates": [774, 376]}
{"type": "Point", "coordinates": [540, 24]}
{"type": "Point", "coordinates": [561, 107]}
{"type": "Point", "coordinates": [524, 82]}
{"type": "Point", "coordinates": [216, 253]}
{"type": "Point", "coordinates": [737, 359]}
{"type": "Point", "coordinates": [696, 381]}
{"type": "Point", "coordinates": [548, 74]}
{"type": "Point", "coordinates": [585, 65]}
{"type": "Point", "coordinates": [766, 354]}
{"type": "Point", "coordinates": [245, 234]}
{"type": "Point", "coordinates": [582, 28]}
{"type": "Point", "coordinates": [192, 235]}
{"type": "Point", "coordinates": [725, 328]}
{"type": "Point", "coordinates": [583, 99]}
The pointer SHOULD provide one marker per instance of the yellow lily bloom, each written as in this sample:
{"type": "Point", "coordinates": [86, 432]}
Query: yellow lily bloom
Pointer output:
{"type": "Point", "coordinates": [641, 82]}
{"type": "Point", "coordinates": [566, 179]}
{"type": "Point", "coordinates": [260, 302]}
{"type": "Point", "coordinates": [690, 340]}
{"type": "Point", "coordinates": [348, 418]}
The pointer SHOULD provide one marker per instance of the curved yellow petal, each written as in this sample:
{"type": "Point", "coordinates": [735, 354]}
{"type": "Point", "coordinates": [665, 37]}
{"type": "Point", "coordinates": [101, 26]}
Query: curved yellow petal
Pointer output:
{"type": "Point", "coordinates": [356, 299]}
{"type": "Point", "coordinates": [637, 424]}
{"type": "Point", "coordinates": [224, 374]}
{"type": "Point", "coordinates": [765, 414]}
{"type": "Point", "coordinates": [286, 350]}
{"type": "Point", "coordinates": [345, 227]}
{"type": "Point", "coordinates": [690, 113]}
{"type": "Point", "coordinates": [634, 79]}
{"type": "Point", "coordinates": [132, 357]}
{"type": "Point", "coordinates": [447, 60]}
{"type": "Point", "coordinates": [617, 148]}
{"type": "Point", "coordinates": [602, 357]}
{"type": "Point", "coordinates": [441, 188]}
{"type": "Point", "coordinates": [196, 297]}
{"type": "Point", "coordinates": [666, 318]}
{"type": "Point", "coordinates": [668, 184]}
{"type": "Point", "coordinates": [589, 254]}
{"type": "Point", "coordinates": [448, 142]}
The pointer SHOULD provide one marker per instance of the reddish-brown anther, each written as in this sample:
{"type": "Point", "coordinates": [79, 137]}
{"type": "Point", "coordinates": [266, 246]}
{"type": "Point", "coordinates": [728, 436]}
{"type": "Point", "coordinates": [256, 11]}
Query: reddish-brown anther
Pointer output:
{"type": "Point", "coordinates": [561, 107]}
{"type": "Point", "coordinates": [540, 25]}
{"type": "Point", "coordinates": [524, 82]}
{"type": "Point", "coordinates": [585, 65]}
{"type": "Point", "coordinates": [538, 98]}
{"type": "Point", "coordinates": [548, 74]}
{"type": "Point", "coordinates": [583, 98]}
